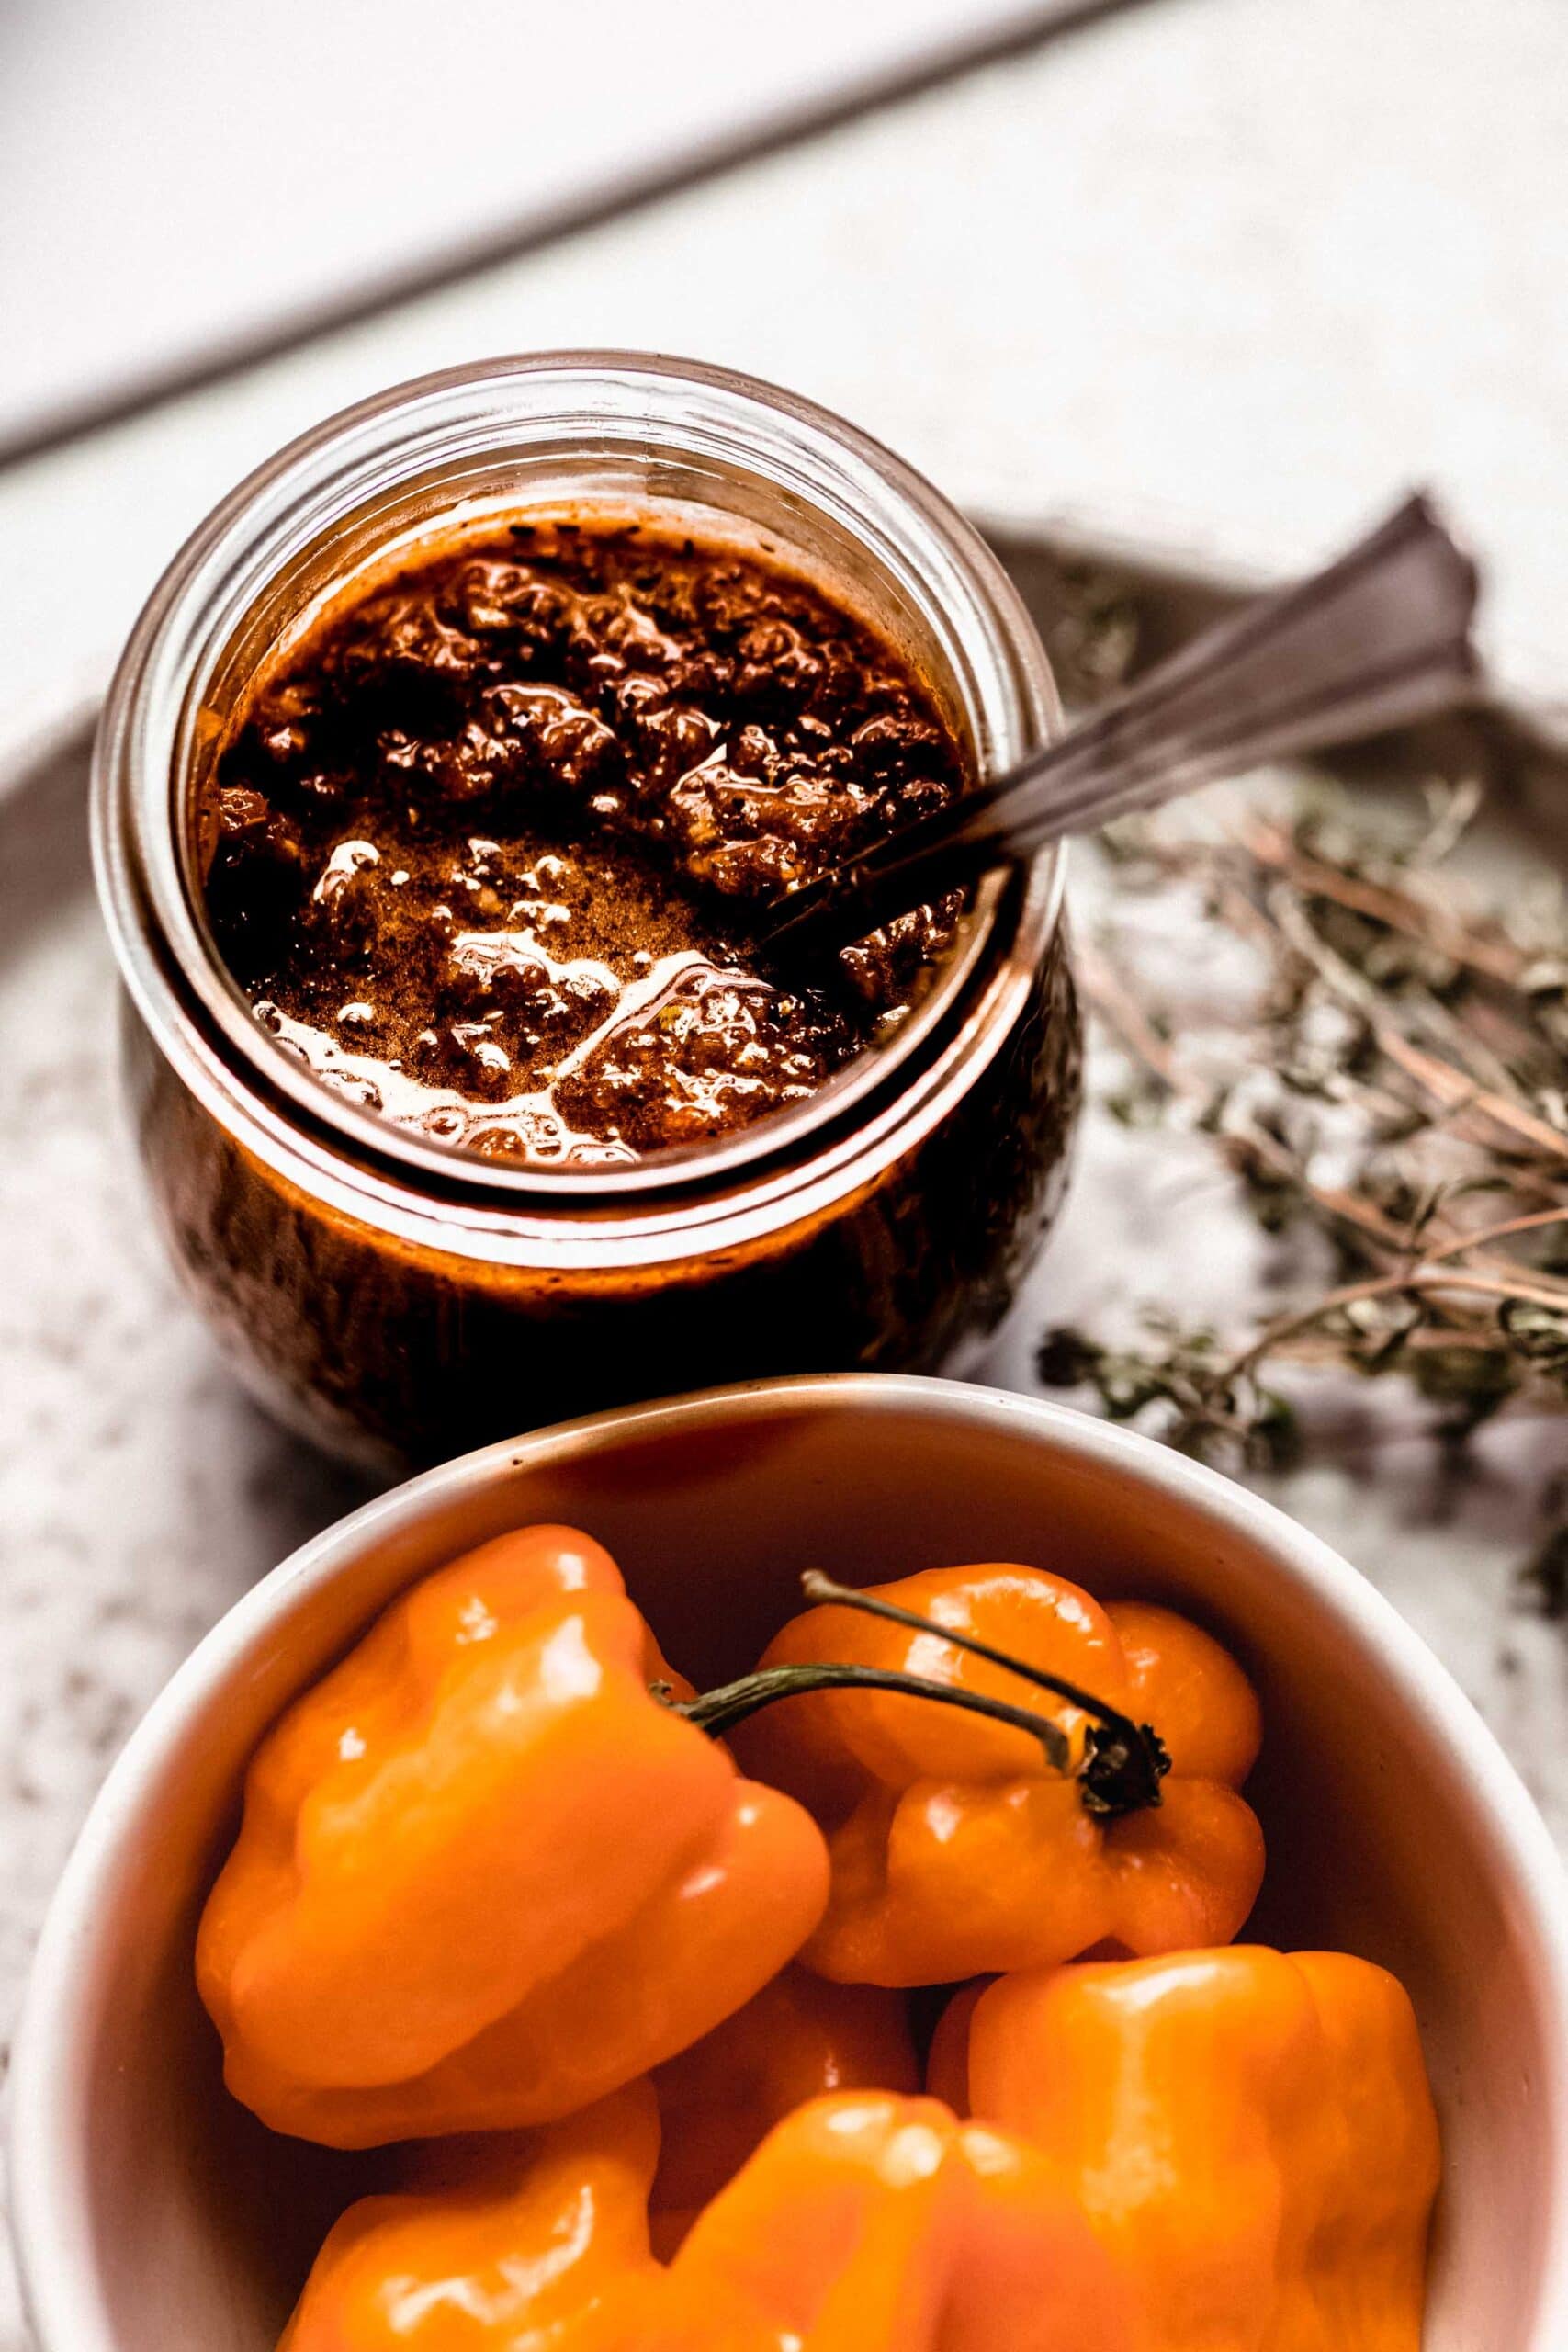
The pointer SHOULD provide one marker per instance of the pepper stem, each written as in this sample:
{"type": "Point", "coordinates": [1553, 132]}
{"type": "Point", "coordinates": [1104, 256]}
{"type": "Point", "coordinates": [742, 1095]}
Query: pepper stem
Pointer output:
{"type": "Point", "coordinates": [719, 1710]}
{"type": "Point", "coordinates": [1125, 1762]}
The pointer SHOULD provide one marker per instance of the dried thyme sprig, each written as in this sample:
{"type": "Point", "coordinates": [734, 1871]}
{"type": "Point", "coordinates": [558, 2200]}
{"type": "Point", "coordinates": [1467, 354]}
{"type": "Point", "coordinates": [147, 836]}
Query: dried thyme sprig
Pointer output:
{"type": "Point", "coordinates": [1400, 1087]}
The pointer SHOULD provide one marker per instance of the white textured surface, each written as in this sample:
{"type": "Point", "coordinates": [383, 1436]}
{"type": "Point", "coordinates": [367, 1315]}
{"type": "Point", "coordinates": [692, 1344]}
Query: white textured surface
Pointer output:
{"type": "Point", "coordinates": [1217, 273]}
{"type": "Point", "coordinates": [299, 126]}
{"type": "Point", "coordinates": [1217, 260]}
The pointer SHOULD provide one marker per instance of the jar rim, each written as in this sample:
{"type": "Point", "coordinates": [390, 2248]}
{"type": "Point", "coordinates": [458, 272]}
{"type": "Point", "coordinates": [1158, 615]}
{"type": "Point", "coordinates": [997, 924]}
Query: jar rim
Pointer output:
{"type": "Point", "coordinates": [189, 1002]}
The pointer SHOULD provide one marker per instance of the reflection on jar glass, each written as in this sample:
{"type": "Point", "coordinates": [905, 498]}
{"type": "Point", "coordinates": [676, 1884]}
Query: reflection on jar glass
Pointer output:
{"type": "Point", "coordinates": [406, 1274]}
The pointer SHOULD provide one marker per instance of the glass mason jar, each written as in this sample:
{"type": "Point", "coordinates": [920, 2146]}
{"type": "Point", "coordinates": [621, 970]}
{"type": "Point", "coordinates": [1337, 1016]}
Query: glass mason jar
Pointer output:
{"type": "Point", "coordinates": [400, 1299]}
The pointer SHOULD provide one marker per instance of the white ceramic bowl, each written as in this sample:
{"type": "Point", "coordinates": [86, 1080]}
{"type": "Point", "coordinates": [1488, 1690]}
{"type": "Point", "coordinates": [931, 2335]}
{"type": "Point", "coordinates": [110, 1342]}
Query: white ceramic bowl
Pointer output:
{"type": "Point", "coordinates": [151, 2213]}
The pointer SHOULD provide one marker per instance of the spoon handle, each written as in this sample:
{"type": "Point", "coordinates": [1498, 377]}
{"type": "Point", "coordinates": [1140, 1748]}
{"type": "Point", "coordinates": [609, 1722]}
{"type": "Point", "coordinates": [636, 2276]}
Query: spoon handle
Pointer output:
{"type": "Point", "coordinates": [1379, 638]}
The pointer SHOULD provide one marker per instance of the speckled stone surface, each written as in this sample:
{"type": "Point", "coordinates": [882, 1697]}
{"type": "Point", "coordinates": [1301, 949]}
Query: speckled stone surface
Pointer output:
{"type": "Point", "coordinates": [141, 1494]}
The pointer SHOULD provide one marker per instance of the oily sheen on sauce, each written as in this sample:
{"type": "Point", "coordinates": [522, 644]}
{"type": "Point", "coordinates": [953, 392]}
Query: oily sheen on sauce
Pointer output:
{"type": "Point", "coordinates": [482, 850]}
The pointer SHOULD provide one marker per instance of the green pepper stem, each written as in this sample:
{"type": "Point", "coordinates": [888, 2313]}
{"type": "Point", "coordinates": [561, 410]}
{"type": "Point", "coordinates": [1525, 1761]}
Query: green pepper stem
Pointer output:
{"type": "Point", "coordinates": [1124, 1761]}
{"type": "Point", "coordinates": [719, 1710]}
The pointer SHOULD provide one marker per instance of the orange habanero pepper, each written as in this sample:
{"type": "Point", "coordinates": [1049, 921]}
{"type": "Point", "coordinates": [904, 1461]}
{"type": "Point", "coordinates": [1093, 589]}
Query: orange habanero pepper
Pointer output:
{"type": "Point", "coordinates": [797, 2038]}
{"type": "Point", "coordinates": [1250, 2133]}
{"type": "Point", "coordinates": [514, 2241]}
{"type": "Point", "coordinates": [869, 2223]}
{"type": "Point", "coordinates": [864, 2222]}
{"type": "Point", "coordinates": [484, 1877]}
{"type": "Point", "coordinates": [960, 1846]}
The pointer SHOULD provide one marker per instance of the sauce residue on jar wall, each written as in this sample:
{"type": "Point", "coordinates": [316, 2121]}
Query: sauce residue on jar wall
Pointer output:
{"type": "Point", "coordinates": [482, 851]}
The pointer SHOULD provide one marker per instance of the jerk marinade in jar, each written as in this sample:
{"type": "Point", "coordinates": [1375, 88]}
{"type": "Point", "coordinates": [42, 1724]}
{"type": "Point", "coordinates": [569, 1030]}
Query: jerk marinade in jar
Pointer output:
{"type": "Point", "coordinates": [437, 793]}
{"type": "Point", "coordinates": [482, 853]}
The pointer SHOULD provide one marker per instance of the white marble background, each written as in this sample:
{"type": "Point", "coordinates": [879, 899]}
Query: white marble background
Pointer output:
{"type": "Point", "coordinates": [1221, 271]}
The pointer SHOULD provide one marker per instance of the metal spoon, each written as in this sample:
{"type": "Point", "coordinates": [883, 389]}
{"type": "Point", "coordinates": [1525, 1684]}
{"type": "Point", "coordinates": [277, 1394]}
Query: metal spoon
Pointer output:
{"type": "Point", "coordinates": [1379, 637]}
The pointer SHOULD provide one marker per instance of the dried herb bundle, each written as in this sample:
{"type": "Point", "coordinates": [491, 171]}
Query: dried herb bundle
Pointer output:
{"type": "Point", "coordinates": [1396, 1086]}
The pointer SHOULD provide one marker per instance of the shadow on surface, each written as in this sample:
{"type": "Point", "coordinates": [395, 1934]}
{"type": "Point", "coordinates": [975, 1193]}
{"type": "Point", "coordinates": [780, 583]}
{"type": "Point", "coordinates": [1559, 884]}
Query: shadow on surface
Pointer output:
{"type": "Point", "coordinates": [44, 856]}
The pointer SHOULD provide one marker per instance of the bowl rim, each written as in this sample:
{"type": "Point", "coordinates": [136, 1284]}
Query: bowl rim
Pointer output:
{"type": "Point", "coordinates": [50, 2223]}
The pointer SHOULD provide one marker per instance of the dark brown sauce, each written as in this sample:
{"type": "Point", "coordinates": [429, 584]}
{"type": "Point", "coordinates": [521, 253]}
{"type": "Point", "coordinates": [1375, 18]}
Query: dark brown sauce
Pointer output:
{"type": "Point", "coordinates": [483, 851]}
